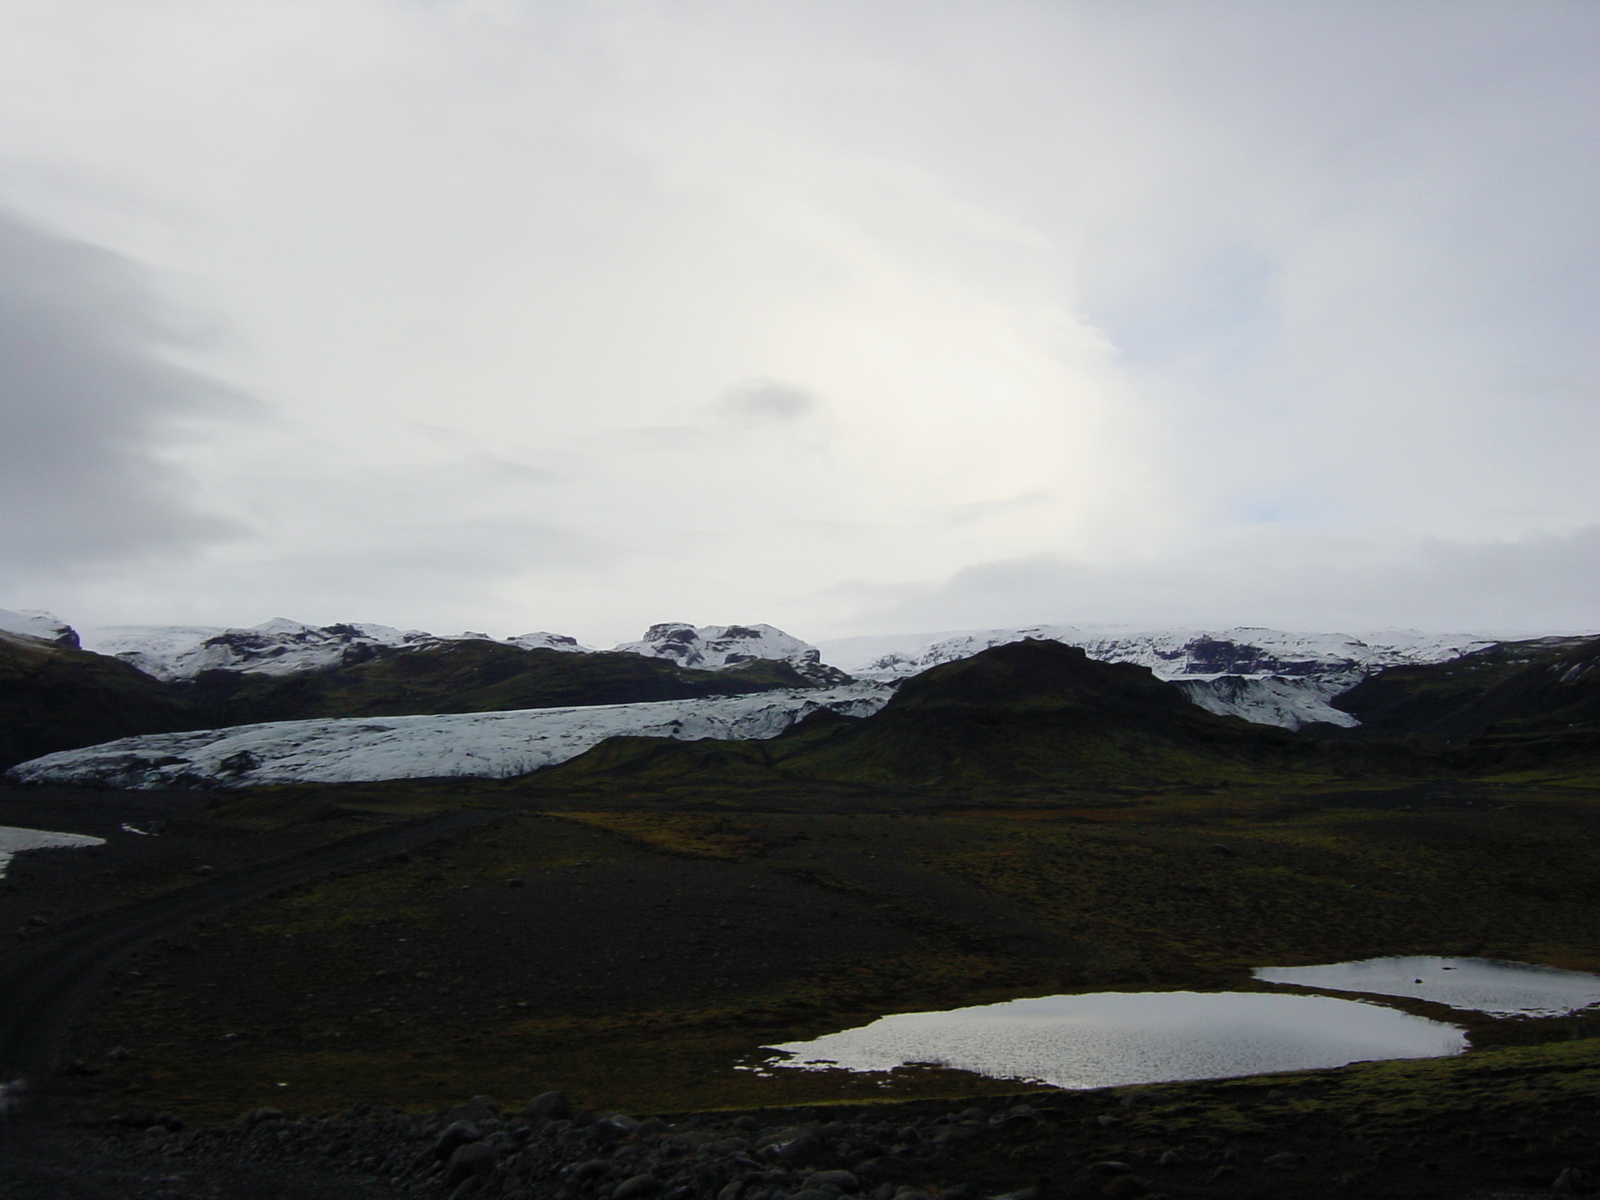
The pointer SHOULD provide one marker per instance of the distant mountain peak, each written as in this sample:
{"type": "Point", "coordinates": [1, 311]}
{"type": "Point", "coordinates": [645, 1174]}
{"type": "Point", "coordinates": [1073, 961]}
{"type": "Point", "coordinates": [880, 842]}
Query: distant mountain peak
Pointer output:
{"type": "Point", "coordinates": [546, 641]}
{"type": "Point", "coordinates": [721, 647]}
{"type": "Point", "coordinates": [286, 647]}
{"type": "Point", "coordinates": [35, 623]}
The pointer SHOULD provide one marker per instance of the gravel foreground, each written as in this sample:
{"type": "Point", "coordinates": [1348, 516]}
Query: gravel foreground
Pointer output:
{"type": "Point", "coordinates": [1037, 1146]}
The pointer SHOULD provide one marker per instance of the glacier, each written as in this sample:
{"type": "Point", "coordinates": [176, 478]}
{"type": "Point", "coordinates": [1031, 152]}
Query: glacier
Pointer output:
{"type": "Point", "coordinates": [492, 745]}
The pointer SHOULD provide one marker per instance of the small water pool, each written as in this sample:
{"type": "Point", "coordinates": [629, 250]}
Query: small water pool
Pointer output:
{"type": "Point", "coordinates": [1499, 989]}
{"type": "Point", "coordinates": [13, 839]}
{"type": "Point", "coordinates": [1107, 1039]}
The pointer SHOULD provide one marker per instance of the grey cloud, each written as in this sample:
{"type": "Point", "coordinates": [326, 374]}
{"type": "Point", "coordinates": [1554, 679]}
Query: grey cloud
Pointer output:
{"type": "Point", "coordinates": [86, 401]}
{"type": "Point", "coordinates": [1296, 581]}
{"type": "Point", "coordinates": [435, 575]}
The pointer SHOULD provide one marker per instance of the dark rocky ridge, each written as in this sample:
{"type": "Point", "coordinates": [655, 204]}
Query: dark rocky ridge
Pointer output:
{"type": "Point", "coordinates": [1516, 705]}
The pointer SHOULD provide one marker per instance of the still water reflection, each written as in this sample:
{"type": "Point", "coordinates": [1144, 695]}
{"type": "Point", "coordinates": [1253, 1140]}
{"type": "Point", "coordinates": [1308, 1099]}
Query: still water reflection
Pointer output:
{"type": "Point", "coordinates": [1110, 1038]}
{"type": "Point", "coordinates": [1500, 989]}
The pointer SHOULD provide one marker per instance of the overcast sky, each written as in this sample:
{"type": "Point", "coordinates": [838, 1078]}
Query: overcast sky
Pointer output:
{"type": "Point", "coordinates": [852, 317]}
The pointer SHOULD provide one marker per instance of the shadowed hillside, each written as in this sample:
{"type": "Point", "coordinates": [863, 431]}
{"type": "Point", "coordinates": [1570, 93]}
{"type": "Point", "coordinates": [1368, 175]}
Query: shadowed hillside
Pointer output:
{"type": "Point", "coordinates": [1513, 706]}
{"type": "Point", "coordinates": [56, 697]}
{"type": "Point", "coordinates": [1023, 713]}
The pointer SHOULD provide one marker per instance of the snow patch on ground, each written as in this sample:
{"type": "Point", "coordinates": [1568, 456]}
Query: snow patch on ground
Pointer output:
{"type": "Point", "coordinates": [13, 839]}
{"type": "Point", "coordinates": [488, 745]}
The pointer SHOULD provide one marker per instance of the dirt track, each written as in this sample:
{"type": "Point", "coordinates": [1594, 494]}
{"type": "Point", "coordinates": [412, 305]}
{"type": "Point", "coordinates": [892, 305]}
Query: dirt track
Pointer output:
{"type": "Point", "coordinates": [45, 985]}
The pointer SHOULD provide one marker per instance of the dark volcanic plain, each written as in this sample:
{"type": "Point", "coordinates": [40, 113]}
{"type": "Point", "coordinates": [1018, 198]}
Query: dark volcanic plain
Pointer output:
{"type": "Point", "coordinates": [635, 928]}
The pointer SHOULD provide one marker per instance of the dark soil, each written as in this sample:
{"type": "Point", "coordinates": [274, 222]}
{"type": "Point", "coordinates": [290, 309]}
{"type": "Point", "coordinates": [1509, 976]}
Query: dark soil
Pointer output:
{"type": "Point", "coordinates": [635, 955]}
{"type": "Point", "coordinates": [155, 842]}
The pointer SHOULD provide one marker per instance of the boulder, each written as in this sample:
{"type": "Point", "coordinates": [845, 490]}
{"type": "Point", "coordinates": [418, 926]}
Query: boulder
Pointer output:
{"type": "Point", "coordinates": [475, 1159]}
{"type": "Point", "coordinates": [546, 1106]}
{"type": "Point", "coordinates": [843, 1180]}
{"type": "Point", "coordinates": [637, 1186]}
{"type": "Point", "coordinates": [455, 1135]}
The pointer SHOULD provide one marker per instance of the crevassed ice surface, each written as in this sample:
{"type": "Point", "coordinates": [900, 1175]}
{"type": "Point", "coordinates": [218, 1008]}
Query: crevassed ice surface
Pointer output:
{"type": "Point", "coordinates": [1107, 1039]}
{"type": "Point", "coordinates": [490, 745]}
{"type": "Point", "coordinates": [13, 839]}
{"type": "Point", "coordinates": [1499, 989]}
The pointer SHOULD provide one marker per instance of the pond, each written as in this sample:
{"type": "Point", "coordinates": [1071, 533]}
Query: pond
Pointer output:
{"type": "Point", "coordinates": [1498, 989]}
{"type": "Point", "coordinates": [13, 839]}
{"type": "Point", "coordinates": [1108, 1039]}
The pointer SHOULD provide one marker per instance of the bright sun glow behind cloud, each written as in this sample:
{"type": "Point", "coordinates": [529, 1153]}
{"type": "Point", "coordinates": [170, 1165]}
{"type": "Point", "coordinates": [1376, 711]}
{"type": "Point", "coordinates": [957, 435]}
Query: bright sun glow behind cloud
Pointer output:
{"type": "Point", "coordinates": [839, 316]}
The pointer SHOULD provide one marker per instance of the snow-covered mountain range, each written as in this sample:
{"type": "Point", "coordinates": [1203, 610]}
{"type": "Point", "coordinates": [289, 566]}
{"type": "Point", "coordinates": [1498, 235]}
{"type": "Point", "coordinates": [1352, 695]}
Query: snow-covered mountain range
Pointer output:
{"type": "Point", "coordinates": [284, 647]}
{"type": "Point", "coordinates": [276, 647]}
{"type": "Point", "coordinates": [1263, 675]}
{"type": "Point", "coordinates": [486, 745]}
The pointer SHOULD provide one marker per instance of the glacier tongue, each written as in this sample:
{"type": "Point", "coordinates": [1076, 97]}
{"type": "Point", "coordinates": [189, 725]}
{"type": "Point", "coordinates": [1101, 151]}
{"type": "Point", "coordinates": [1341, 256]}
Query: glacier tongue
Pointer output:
{"type": "Point", "coordinates": [1290, 702]}
{"type": "Point", "coordinates": [363, 749]}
